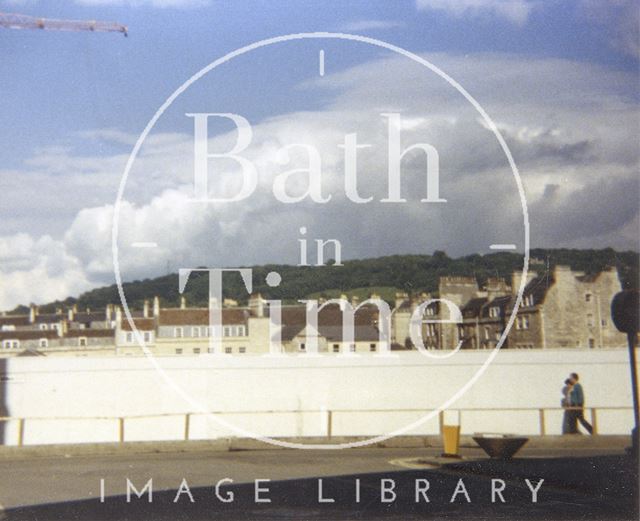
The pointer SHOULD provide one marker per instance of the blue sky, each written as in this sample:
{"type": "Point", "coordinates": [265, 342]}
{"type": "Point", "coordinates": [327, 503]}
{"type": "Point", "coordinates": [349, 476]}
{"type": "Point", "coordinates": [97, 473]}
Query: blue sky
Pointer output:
{"type": "Point", "coordinates": [560, 79]}
{"type": "Point", "coordinates": [71, 82]}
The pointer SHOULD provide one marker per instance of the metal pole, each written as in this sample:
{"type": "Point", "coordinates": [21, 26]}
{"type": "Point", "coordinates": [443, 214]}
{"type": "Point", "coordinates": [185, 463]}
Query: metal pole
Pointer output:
{"type": "Point", "coordinates": [21, 432]}
{"type": "Point", "coordinates": [187, 422]}
{"type": "Point", "coordinates": [631, 338]}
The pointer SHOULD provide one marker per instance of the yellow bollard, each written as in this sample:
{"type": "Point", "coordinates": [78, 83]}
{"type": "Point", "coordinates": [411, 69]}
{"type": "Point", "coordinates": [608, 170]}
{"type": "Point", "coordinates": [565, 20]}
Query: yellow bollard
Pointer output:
{"type": "Point", "coordinates": [451, 440]}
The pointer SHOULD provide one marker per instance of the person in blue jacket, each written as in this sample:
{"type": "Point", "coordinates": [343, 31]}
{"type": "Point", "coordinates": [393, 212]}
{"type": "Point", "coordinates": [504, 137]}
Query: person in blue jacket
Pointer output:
{"type": "Point", "coordinates": [576, 397]}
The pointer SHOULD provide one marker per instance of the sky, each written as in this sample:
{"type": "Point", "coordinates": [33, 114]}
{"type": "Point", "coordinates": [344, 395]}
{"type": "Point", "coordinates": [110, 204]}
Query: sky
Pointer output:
{"type": "Point", "coordinates": [559, 79]}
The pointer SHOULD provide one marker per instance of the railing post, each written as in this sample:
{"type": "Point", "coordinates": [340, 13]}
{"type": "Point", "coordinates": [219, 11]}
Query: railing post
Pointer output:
{"type": "Point", "coordinates": [594, 420]}
{"type": "Point", "coordinates": [441, 421]}
{"type": "Point", "coordinates": [187, 423]}
{"type": "Point", "coordinates": [329, 424]}
{"type": "Point", "coordinates": [121, 430]}
{"type": "Point", "coordinates": [21, 432]}
{"type": "Point", "coordinates": [543, 427]}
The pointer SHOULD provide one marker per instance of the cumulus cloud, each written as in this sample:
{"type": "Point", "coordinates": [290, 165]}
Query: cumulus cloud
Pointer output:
{"type": "Point", "coordinates": [569, 125]}
{"type": "Point", "coordinates": [516, 11]}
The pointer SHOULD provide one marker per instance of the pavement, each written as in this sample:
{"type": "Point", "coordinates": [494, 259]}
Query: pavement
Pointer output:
{"type": "Point", "coordinates": [584, 478]}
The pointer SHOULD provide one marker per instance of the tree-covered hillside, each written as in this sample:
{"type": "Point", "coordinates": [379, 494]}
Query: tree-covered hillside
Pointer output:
{"type": "Point", "coordinates": [385, 275]}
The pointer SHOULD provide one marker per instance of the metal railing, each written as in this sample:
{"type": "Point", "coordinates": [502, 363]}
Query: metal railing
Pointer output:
{"type": "Point", "coordinates": [328, 414]}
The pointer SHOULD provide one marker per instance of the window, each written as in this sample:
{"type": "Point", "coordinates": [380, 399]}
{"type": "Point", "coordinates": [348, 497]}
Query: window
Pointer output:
{"type": "Point", "coordinates": [302, 347]}
{"type": "Point", "coordinates": [336, 348]}
{"type": "Point", "coordinates": [54, 327]}
{"type": "Point", "coordinates": [352, 348]}
{"type": "Point", "coordinates": [242, 349]}
{"type": "Point", "coordinates": [42, 327]}
{"type": "Point", "coordinates": [147, 336]}
{"type": "Point", "coordinates": [228, 350]}
{"type": "Point", "coordinates": [178, 350]}
{"type": "Point", "coordinates": [486, 333]}
{"type": "Point", "coordinates": [196, 350]}
{"type": "Point", "coordinates": [373, 348]}
{"type": "Point", "coordinates": [590, 320]}
{"type": "Point", "coordinates": [242, 331]}
{"type": "Point", "coordinates": [494, 312]}
{"type": "Point", "coordinates": [587, 297]}
{"type": "Point", "coordinates": [592, 343]}
{"type": "Point", "coordinates": [177, 332]}
{"type": "Point", "coordinates": [522, 322]}
{"type": "Point", "coordinates": [431, 330]}
{"type": "Point", "coordinates": [226, 331]}
{"type": "Point", "coordinates": [129, 338]}
{"type": "Point", "coordinates": [603, 322]}
{"type": "Point", "coordinates": [195, 332]}
{"type": "Point", "coordinates": [43, 342]}
{"type": "Point", "coordinates": [10, 344]}
{"type": "Point", "coordinates": [82, 341]}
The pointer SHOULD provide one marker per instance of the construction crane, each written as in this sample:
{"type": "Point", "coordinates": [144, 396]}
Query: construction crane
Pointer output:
{"type": "Point", "coordinates": [21, 21]}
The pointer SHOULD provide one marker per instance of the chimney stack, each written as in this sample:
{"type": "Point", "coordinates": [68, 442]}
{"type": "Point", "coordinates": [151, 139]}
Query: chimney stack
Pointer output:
{"type": "Point", "coordinates": [156, 307]}
{"type": "Point", "coordinates": [145, 309]}
{"type": "Point", "coordinates": [516, 278]}
{"type": "Point", "coordinates": [33, 312]}
{"type": "Point", "coordinates": [183, 303]}
{"type": "Point", "coordinates": [70, 314]}
{"type": "Point", "coordinates": [256, 305]}
{"type": "Point", "coordinates": [343, 302]}
{"type": "Point", "coordinates": [118, 318]}
{"type": "Point", "coordinates": [401, 298]}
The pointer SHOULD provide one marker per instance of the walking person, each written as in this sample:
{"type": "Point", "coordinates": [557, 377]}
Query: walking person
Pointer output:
{"type": "Point", "coordinates": [577, 403]}
{"type": "Point", "coordinates": [569, 425]}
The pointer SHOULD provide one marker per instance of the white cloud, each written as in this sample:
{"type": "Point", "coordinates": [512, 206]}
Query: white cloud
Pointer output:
{"type": "Point", "coordinates": [369, 25]}
{"type": "Point", "coordinates": [162, 4]}
{"type": "Point", "coordinates": [516, 11]}
{"type": "Point", "coordinates": [571, 127]}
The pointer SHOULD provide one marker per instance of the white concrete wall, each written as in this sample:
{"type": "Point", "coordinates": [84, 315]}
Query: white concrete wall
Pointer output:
{"type": "Point", "coordinates": [367, 395]}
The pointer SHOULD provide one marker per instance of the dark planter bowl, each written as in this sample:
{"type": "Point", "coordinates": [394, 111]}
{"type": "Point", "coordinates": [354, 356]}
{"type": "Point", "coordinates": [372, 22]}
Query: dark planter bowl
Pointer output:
{"type": "Point", "coordinates": [500, 447]}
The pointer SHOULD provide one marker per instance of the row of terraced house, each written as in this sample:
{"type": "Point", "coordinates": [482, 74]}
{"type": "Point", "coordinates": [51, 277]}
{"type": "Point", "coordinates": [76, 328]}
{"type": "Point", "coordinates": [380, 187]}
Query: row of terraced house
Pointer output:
{"type": "Point", "coordinates": [559, 309]}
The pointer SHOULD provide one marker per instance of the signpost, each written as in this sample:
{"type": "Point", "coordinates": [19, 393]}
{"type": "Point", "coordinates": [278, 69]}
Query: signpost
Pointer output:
{"type": "Point", "coordinates": [625, 312]}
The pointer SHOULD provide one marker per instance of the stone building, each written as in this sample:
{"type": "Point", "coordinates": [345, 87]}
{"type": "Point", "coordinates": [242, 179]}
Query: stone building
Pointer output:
{"type": "Point", "coordinates": [559, 309]}
{"type": "Point", "coordinates": [566, 308]}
